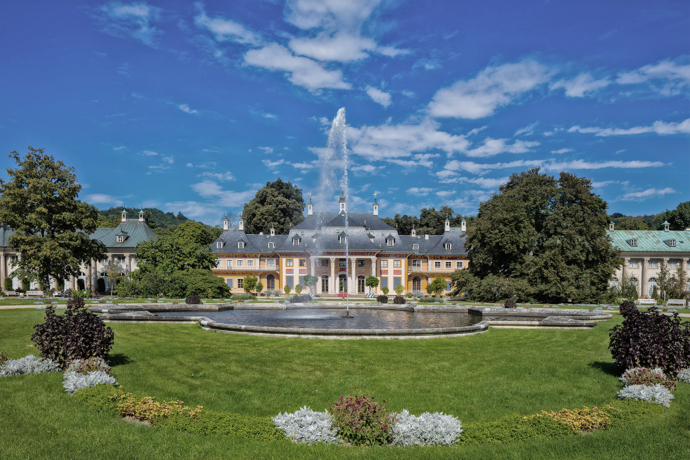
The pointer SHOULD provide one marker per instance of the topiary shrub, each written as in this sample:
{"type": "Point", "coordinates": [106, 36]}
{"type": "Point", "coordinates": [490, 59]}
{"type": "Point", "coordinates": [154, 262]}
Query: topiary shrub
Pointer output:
{"type": "Point", "coordinates": [192, 300]}
{"type": "Point", "coordinates": [382, 299]}
{"type": "Point", "coordinates": [651, 339]}
{"type": "Point", "coordinates": [400, 300]}
{"type": "Point", "coordinates": [361, 420]}
{"type": "Point", "coordinates": [649, 377]}
{"type": "Point", "coordinates": [308, 427]}
{"type": "Point", "coordinates": [510, 303]}
{"type": "Point", "coordinates": [78, 334]}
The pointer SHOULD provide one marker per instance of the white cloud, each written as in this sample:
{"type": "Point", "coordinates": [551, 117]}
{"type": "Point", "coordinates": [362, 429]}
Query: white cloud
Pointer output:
{"type": "Point", "coordinates": [560, 151]}
{"type": "Point", "coordinates": [329, 14]}
{"type": "Point", "coordinates": [605, 183]}
{"type": "Point", "coordinates": [267, 149]}
{"type": "Point", "coordinates": [419, 191]}
{"type": "Point", "coordinates": [581, 164]}
{"type": "Point", "coordinates": [169, 160]}
{"type": "Point", "coordinates": [271, 116]}
{"type": "Point", "coordinates": [226, 176]}
{"type": "Point", "coordinates": [451, 167]}
{"type": "Point", "coordinates": [427, 64]}
{"type": "Point", "coordinates": [379, 96]}
{"type": "Point", "coordinates": [130, 20]}
{"type": "Point", "coordinates": [210, 189]}
{"type": "Point", "coordinates": [418, 159]}
{"type": "Point", "coordinates": [149, 153]}
{"type": "Point", "coordinates": [527, 130]}
{"type": "Point", "coordinates": [667, 77]}
{"type": "Point", "coordinates": [483, 182]}
{"type": "Point", "coordinates": [369, 169]}
{"type": "Point", "coordinates": [446, 193]}
{"type": "Point", "coordinates": [225, 29]}
{"type": "Point", "coordinates": [272, 164]}
{"type": "Point", "coordinates": [302, 71]}
{"type": "Point", "coordinates": [658, 127]}
{"type": "Point", "coordinates": [304, 167]}
{"type": "Point", "coordinates": [493, 87]}
{"type": "Point", "coordinates": [121, 147]}
{"type": "Point", "coordinates": [582, 84]}
{"type": "Point", "coordinates": [190, 165]}
{"type": "Point", "coordinates": [342, 47]}
{"type": "Point", "coordinates": [649, 193]}
{"type": "Point", "coordinates": [100, 198]}
{"type": "Point", "coordinates": [385, 142]}
{"type": "Point", "coordinates": [492, 147]}
{"type": "Point", "coordinates": [159, 168]}
{"type": "Point", "coordinates": [185, 108]}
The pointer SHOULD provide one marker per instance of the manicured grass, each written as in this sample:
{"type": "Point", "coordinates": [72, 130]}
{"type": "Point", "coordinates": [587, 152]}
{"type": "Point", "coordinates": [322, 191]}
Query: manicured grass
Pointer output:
{"type": "Point", "coordinates": [476, 378]}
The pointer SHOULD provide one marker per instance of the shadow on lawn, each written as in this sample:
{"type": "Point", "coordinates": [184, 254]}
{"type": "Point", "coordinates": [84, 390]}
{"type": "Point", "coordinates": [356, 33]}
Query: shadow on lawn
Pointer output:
{"type": "Point", "coordinates": [118, 359]}
{"type": "Point", "coordinates": [608, 368]}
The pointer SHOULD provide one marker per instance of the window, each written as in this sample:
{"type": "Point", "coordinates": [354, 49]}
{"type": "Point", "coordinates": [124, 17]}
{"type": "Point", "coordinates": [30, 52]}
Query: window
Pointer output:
{"type": "Point", "coordinates": [16, 258]}
{"type": "Point", "coordinates": [614, 282]}
{"type": "Point", "coordinates": [448, 285]}
{"type": "Point", "coordinates": [271, 245]}
{"type": "Point", "coordinates": [270, 262]}
{"type": "Point", "coordinates": [384, 264]}
{"type": "Point", "coordinates": [384, 282]}
{"type": "Point", "coordinates": [672, 264]}
{"type": "Point", "coordinates": [288, 262]}
{"type": "Point", "coordinates": [219, 245]}
{"type": "Point", "coordinates": [289, 281]}
{"type": "Point", "coordinates": [396, 281]}
{"type": "Point", "coordinates": [303, 262]}
{"type": "Point", "coordinates": [240, 283]}
{"type": "Point", "coordinates": [342, 263]}
{"type": "Point", "coordinates": [417, 263]}
{"type": "Point", "coordinates": [229, 282]}
{"type": "Point", "coordinates": [218, 262]}
{"type": "Point", "coordinates": [396, 264]}
{"type": "Point", "coordinates": [416, 284]}
{"type": "Point", "coordinates": [240, 245]}
{"type": "Point", "coordinates": [341, 239]}
{"type": "Point", "coordinates": [240, 263]}
{"type": "Point", "coordinates": [270, 282]}
{"type": "Point", "coordinates": [458, 265]}
{"type": "Point", "coordinates": [651, 285]}
{"type": "Point", "coordinates": [653, 264]}
{"type": "Point", "coordinates": [120, 239]}
{"type": "Point", "coordinates": [324, 262]}
{"type": "Point", "coordinates": [120, 259]}
{"type": "Point", "coordinates": [296, 241]}
{"type": "Point", "coordinates": [390, 241]}
{"type": "Point", "coordinates": [447, 245]}
{"type": "Point", "coordinates": [361, 263]}
{"type": "Point", "coordinates": [633, 242]}
{"type": "Point", "coordinates": [633, 264]}
{"type": "Point", "coordinates": [415, 247]}
{"type": "Point", "coordinates": [672, 243]}
{"type": "Point", "coordinates": [437, 264]}
{"type": "Point", "coordinates": [228, 263]}
{"type": "Point", "coordinates": [449, 264]}
{"type": "Point", "coordinates": [250, 263]}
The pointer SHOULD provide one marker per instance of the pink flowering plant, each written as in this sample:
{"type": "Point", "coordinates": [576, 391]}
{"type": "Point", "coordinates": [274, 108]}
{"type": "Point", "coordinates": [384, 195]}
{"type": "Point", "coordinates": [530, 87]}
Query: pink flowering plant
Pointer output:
{"type": "Point", "coordinates": [362, 421]}
{"type": "Point", "coordinates": [647, 377]}
{"type": "Point", "coordinates": [84, 366]}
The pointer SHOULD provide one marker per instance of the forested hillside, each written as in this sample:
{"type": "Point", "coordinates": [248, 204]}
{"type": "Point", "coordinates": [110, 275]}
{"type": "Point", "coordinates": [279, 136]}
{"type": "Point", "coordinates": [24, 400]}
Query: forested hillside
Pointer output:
{"type": "Point", "coordinates": [162, 223]}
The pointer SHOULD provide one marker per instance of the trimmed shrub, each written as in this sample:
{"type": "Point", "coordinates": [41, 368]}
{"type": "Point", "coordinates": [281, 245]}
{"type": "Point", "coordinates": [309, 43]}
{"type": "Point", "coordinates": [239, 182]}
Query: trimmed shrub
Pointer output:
{"type": "Point", "coordinates": [28, 365]}
{"type": "Point", "coordinates": [684, 376]}
{"type": "Point", "coordinates": [300, 299]}
{"type": "Point", "coordinates": [656, 394]}
{"type": "Point", "coordinates": [651, 340]}
{"type": "Point", "coordinates": [580, 419]}
{"type": "Point", "coordinates": [78, 334]}
{"type": "Point", "coordinates": [426, 430]}
{"type": "Point", "coordinates": [399, 300]}
{"type": "Point", "coordinates": [147, 408]}
{"type": "Point", "coordinates": [510, 303]}
{"type": "Point", "coordinates": [307, 427]}
{"type": "Point", "coordinates": [8, 284]}
{"type": "Point", "coordinates": [382, 299]}
{"type": "Point", "coordinates": [430, 300]}
{"type": "Point", "coordinates": [74, 381]}
{"type": "Point", "coordinates": [385, 291]}
{"type": "Point", "coordinates": [512, 428]}
{"type": "Point", "coordinates": [240, 297]}
{"type": "Point", "coordinates": [649, 377]}
{"type": "Point", "coordinates": [84, 366]}
{"type": "Point", "coordinates": [192, 300]}
{"type": "Point", "coordinates": [361, 420]}
{"type": "Point", "coordinates": [224, 424]}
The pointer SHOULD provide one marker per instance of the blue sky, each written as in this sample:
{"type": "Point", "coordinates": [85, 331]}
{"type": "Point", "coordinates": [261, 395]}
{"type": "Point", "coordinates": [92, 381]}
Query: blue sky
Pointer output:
{"type": "Point", "coordinates": [192, 107]}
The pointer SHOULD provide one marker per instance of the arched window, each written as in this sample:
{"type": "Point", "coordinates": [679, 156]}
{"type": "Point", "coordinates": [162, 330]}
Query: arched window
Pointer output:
{"type": "Point", "coordinates": [651, 284]}
{"type": "Point", "coordinates": [447, 246]}
{"type": "Point", "coordinates": [270, 282]}
{"type": "Point", "coordinates": [415, 247]}
{"type": "Point", "coordinates": [416, 284]}
{"type": "Point", "coordinates": [271, 245]}
{"type": "Point", "coordinates": [614, 282]}
{"type": "Point", "coordinates": [360, 284]}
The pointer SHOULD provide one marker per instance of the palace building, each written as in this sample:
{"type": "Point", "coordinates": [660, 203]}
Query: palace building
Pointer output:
{"type": "Point", "coordinates": [317, 246]}
{"type": "Point", "coordinates": [120, 242]}
{"type": "Point", "coordinates": [644, 251]}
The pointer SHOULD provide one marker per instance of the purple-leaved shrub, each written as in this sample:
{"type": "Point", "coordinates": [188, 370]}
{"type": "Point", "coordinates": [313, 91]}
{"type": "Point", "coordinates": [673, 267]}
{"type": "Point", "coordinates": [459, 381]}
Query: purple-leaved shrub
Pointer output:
{"type": "Point", "coordinates": [361, 420]}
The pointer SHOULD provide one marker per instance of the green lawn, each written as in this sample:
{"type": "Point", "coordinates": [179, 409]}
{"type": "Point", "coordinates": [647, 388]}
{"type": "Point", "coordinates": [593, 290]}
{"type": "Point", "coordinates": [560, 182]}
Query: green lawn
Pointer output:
{"type": "Point", "coordinates": [476, 378]}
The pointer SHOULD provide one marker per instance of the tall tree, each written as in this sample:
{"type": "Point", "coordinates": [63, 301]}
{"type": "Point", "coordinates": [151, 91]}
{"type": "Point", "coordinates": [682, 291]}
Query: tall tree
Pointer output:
{"type": "Point", "coordinates": [551, 233]}
{"type": "Point", "coordinates": [51, 226]}
{"type": "Point", "coordinates": [279, 204]}
{"type": "Point", "coordinates": [679, 218]}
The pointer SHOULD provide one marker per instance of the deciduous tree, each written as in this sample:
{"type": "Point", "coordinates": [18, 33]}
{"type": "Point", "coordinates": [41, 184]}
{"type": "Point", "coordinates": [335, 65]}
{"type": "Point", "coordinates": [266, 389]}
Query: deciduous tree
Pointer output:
{"type": "Point", "coordinates": [279, 205]}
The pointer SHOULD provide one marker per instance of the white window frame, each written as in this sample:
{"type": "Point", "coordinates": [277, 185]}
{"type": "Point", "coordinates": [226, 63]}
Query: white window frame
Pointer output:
{"type": "Point", "coordinates": [397, 263]}
{"type": "Point", "coordinates": [415, 247]}
{"type": "Point", "coordinates": [416, 263]}
{"type": "Point", "coordinates": [447, 246]}
{"type": "Point", "coordinates": [672, 243]}
{"type": "Point", "coordinates": [250, 263]}
{"type": "Point", "coordinates": [390, 242]}
{"type": "Point", "coordinates": [120, 239]}
{"type": "Point", "coordinates": [672, 264]}
{"type": "Point", "coordinates": [449, 264]}
{"type": "Point", "coordinates": [437, 264]}
{"type": "Point", "coordinates": [653, 264]}
{"type": "Point", "coordinates": [271, 245]}
{"type": "Point", "coordinates": [240, 245]}
{"type": "Point", "coordinates": [240, 263]}
{"type": "Point", "coordinates": [240, 283]}
{"type": "Point", "coordinates": [270, 262]}
{"type": "Point", "coordinates": [228, 263]}
{"type": "Point", "coordinates": [384, 264]}
{"type": "Point", "coordinates": [289, 262]}
{"type": "Point", "coordinates": [633, 264]}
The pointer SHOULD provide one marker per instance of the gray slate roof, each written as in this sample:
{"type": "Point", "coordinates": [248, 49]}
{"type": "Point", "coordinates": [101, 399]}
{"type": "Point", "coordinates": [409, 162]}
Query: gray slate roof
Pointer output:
{"type": "Point", "coordinates": [133, 230]}
{"type": "Point", "coordinates": [334, 219]}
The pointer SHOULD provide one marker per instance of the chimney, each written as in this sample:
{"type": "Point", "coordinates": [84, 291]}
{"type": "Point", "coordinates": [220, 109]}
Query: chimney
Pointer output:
{"type": "Point", "coordinates": [447, 226]}
{"type": "Point", "coordinates": [141, 215]}
{"type": "Point", "coordinates": [310, 207]}
{"type": "Point", "coordinates": [273, 231]}
{"type": "Point", "coordinates": [124, 215]}
{"type": "Point", "coordinates": [241, 225]}
{"type": "Point", "coordinates": [414, 232]}
{"type": "Point", "coordinates": [611, 226]}
{"type": "Point", "coordinates": [376, 206]}
{"type": "Point", "coordinates": [426, 237]}
{"type": "Point", "coordinates": [463, 225]}
{"type": "Point", "coordinates": [226, 223]}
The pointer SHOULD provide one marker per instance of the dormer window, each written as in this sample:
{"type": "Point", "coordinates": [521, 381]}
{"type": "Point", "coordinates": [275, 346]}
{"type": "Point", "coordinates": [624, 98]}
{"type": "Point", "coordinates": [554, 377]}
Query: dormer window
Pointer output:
{"type": "Point", "coordinates": [415, 247]}
{"type": "Point", "coordinates": [219, 244]}
{"type": "Point", "coordinates": [633, 242]}
{"type": "Point", "coordinates": [342, 239]}
{"type": "Point", "coordinates": [271, 245]}
{"type": "Point", "coordinates": [120, 239]}
{"type": "Point", "coordinates": [240, 245]}
{"type": "Point", "coordinates": [447, 246]}
{"type": "Point", "coordinates": [296, 241]}
{"type": "Point", "coordinates": [672, 243]}
{"type": "Point", "coordinates": [390, 241]}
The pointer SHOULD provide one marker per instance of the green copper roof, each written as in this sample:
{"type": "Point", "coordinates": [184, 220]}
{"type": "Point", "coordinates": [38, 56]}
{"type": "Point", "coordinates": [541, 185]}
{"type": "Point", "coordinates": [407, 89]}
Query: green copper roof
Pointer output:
{"type": "Point", "coordinates": [651, 240]}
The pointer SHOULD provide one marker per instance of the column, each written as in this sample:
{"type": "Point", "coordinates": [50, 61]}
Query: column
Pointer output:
{"type": "Point", "coordinates": [312, 263]}
{"type": "Point", "coordinates": [644, 294]}
{"type": "Point", "coordinates": [332, 288]}
{"type": "Point", "coordinates": [129, 262]}
{"type": "Point", "coordinates": [373, 270]}
{"type": "Point", "coordinates": [352, 284]}
{"type": "Point", "coordinates": [624, 269]}
{"type": "Point", "coordinates": [2, 271]}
